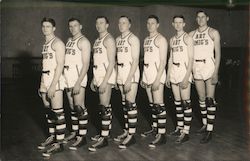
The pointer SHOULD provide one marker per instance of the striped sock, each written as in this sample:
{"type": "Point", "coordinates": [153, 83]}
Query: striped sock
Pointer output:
{"type": "Point", "coordinates": [106, 120]}
{"type": "Point", "coordinates": [60, 125]}
{"type": "Point", "coordinates": [161, 118]}
{"type": "Point", "coordinates": [203, 112]}
{"type": "Point", "coordinates": [186, 104]}
{"type": "Point", "coordinates": [125, 115]}
{"type": "Point", "coordinates": [179, 114]}
{"type": "Point", "coordinates": [132, 117]}
{"type": "Point", "coordinates": [83, 121]}
{"type": "Point", "coordinates": [74, 119]}
{"type": "Point", "coordinates": [154, 116]}
{"type": "Point", "coordinates": [211, 109]}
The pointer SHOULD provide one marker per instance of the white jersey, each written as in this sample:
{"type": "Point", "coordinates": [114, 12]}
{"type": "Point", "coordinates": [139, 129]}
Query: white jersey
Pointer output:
{"type": "Point", "coordinates": [151, 61]}
{"type": "Point", "coordinates": [101, 62]}
{"type": "Point", "coordinates": [73, 63]}
{"type": "Point", "coordinates": [179, 51]}
{"type": "Point", "coordinates": [124, 60]}
{"type": "Point", "coordinates": [49, 65]}
{"type": "Point", "coordinates": [203, 45]}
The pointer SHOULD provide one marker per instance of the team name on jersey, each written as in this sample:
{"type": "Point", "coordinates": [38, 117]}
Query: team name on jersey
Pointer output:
{"type": "Point", "coordinates": [200, 39]}
{"type": "Point", "coordinates": [97, 49]}
{"type": "Point", "coordinates": [147, 47]}
{"type": "Point", "coordinates": [176, 46]}
{"type": "Point", "coordinates": [45, 53]}
{"type": "Point", "coordinates": [69, 49]}
{"type": "Point", "coordinates": [121, 47]}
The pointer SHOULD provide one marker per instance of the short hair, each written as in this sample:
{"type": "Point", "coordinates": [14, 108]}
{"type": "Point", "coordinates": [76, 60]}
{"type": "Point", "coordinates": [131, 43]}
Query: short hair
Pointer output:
{"type": "Point", "coordinates": [179, 16]}
{"type": "Point", "coordinates": [202, 11]}
{"type": "Point", "coordinates": [129, 20]}
{"type": "Point", "coordinates": [154, 17]}
{"type": "Point", "coordinates": [50, 20]}
{"type": "Point", "coordinates": [74, 19]}
{"type": "Point", "coordinates": [106, 19]}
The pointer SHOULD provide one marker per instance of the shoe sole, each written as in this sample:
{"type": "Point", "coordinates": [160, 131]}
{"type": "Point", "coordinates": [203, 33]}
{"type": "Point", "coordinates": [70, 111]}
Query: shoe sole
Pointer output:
{"type": "Point", "coordinates": [122, 146]}
{"type": "Point", "coordinates": [151, 146]}
{"type": "Point", "coordinates": [92, 149]}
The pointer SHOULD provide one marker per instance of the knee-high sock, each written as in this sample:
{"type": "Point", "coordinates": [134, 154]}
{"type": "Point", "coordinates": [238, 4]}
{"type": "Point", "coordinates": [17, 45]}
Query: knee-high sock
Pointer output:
{"type": "Point", "coordinates": [106, 120]}
{"type": "Point", "coordinates": [211, 109]}
{"type": "Point", "coordinates": [83, 121]}
{"type": "Point", "coordinates": [186, 104]}
{"type": "Point", "coordinates": [203, 112]}
{"type": "Point", "coordinates": [125, 115]}
{"type": "Point", "coordinates": [50, 121]}
{"type": "Point", "coordinates": [161, 113]}
{"type": "Point", "coordinates": [74, 119]}
{"type": "Point", "coordinates": [132, 117]}
{"type": "Point", "coordinates": [60, 124]}
{"type": "Point", "coordinates": [179, 114]}
{"type": "Point", "coordinates": [154, 116]}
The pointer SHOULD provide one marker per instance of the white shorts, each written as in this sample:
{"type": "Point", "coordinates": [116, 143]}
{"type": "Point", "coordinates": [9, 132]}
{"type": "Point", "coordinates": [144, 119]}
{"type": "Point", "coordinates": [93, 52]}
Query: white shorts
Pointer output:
{"type": "Point", "coordinates": [100, 74]}
{"type": "Point", "coordinates": [46, 80]}
{"type": "Point", "coordinates": [178, 72]}
{"type": "Point", "coordinates": [71, 74]}
{"type": "Point", "coordinates": [150, 73]}
{"type": "Point", "coordinates": [122, 74]}
{"type": "Point", "coordinates": [203, 69]}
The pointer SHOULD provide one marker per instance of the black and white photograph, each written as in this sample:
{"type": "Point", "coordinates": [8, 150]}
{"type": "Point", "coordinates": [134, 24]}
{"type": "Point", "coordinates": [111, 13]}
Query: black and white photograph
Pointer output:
{"type": "Point", "coordinates": [125, 80]}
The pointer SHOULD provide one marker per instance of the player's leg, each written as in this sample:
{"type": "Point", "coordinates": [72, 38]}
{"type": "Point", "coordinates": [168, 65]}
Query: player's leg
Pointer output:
{"type": "Point", "coordinates": [186, 105]}
{"type": "Point", "coordinates": [179, 110]}
{"type": "Point", "coordinates": [132, 116]}
{"type": "Point", "coordinates": [211, 109]}
{"type": "Point", "coordinates": [82, 115]}
{"type": "Point", "coordinates": [57, 106]}
{"type": "Point", "coordinates": [125, 115]}
{"type": "Point", "coordinates": [50, 117]}
{"type": "Point", "coordinates": [106, 115]}
{"type": "Point", "coordinates": [154, 119]}
{"type": "Point", "coordinates": [201, 90]}
{"type": "Point", "coordinates": [160, 111]}
{"type": "Point", "coordinates": [73, 116]}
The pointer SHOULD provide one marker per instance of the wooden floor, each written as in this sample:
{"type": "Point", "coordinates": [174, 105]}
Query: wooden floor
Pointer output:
{"type": "Point", "coordinates": [23, 127]}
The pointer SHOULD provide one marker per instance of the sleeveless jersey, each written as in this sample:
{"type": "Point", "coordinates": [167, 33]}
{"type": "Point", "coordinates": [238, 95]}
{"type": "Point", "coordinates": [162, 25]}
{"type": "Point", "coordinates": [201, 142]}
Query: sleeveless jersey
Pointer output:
{"type": "Point", "coordinates": [179, 50]}
{"type": "Point", "coordinates": [49, 56]}
{"type": "Point", "coordinates": [151, 52]}
{"type": "Point", "coordinates": [124, 50]}
{"type": "Point", "coordinates": [203, 45]}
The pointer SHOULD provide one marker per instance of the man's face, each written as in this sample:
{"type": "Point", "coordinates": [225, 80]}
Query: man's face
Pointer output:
{"type": "Point", "coordinates": [178, 24]}
{"type": "Point", "coordinates": [124, 24]}
{"type": "Point", "coordinates": [152, 25]}
{"type": "Point", "coordinates": [47, 28]}
{"type": "Point", "coordinates": [101, 25]}
{"type": "Point", "coordinates": [202, 19]}
{"type": "Point", "coordinates": [75, 27]}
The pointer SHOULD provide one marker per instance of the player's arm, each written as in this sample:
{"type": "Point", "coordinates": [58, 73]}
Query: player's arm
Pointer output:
{"type": "Point", "coordinates": [217, 48]}
{"type": "Point", "coordinates": [85, 48]}
{"type": "Point", "coordinates": [109, 43]}
{"type": "Point", "coordinates": [59, 48]}
{"type": "Point", "coordinates": [163, 48]}
{"type": "Point", "coordinates": [135, 52]}
{"type": "Point", "coordinates": [170, 63]}
{"type": "Point", "coordinates": [190, 49]}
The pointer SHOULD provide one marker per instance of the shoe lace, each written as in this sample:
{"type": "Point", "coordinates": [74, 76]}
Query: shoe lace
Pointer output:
{"type": "Point", "coordinates": [123, 135]}
{"type": "Point", "coordinates": [99, 141]}
{"type": "Point", "coordinates": [157, 138]}
{"type": "Point", "coordinates": [53, 147]}
{"type": "Point", "coordinates": [78, 141]}
{"type": "Point", "coordinates": [127, 139]}
{"type": "Point", "coordinates": [48, 140]}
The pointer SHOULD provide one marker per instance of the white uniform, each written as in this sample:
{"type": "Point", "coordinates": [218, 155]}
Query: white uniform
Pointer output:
{"type": "Point", "coordinates": [48, 68]}
{"type": "Point", "coordinates": [73, 63]}
{"type": "Point", "coordinates": [124, 60]}
{"type": "Point", "coordinates": [179, 59]}
{"type": "Point", "coordinates": [204, 63]}
{"type": "Point", "coordinates": [101, 63]}
{"type": "Point", "coordinates": [151, 61]}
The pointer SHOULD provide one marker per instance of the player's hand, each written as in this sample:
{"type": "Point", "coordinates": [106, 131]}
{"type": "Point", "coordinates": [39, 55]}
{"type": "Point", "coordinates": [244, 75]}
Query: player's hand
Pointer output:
{"type": "Point", "coordinates": [168, 83]}
{"type": "Point", "coordinates": [76, 89]}
{"type": "Point", "coordinates": [214, 80]}
{"type": "Point", "coordinates": [102, 87]}
{"type": "Point", "coordinates": [155, 85]}
{"type": "Point", "coordinates": [127, 86]}
{"type": "Point", "coordinates": [92, 86]}
{"type": "Point", "coordinates": [51, 92]}
{"type": "Point", "coordinates": [184, 83]}
{"type": "Point", "coordinates": [143, 84]}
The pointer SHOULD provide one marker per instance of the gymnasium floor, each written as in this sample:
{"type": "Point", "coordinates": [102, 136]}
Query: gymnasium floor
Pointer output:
{"type": "Point", "coordinates": [23, 127]}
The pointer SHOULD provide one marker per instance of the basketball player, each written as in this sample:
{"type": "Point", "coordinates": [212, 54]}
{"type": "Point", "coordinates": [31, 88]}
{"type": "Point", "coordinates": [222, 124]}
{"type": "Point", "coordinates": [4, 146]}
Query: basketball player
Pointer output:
{"type": "Point", "coordinates": [104, 77]}
{"type": "Point", "coordinates": [207, 57]}
{"type": "Point", "coordinates": [128, 51]}
{"type": "Point", "coordinates": [154, 77]}
{"type": "Point", "coordinates": [179, 76]}
{"type": "Point", "coordinates": [77, 60]}
{"type": "Point", "coordinates": [51, 88]}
